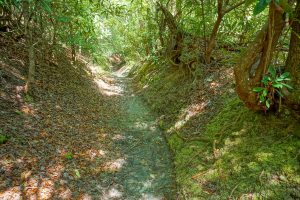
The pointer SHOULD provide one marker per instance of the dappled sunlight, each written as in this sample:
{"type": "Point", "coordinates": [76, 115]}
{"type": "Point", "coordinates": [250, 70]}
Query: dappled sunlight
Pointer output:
{"type": "Point", "coordinates": [151, 197]}
{"type": "Point", "coordinates": [263, 156]}
{"type": "Point", "coordinates": [108, 89]}
{"type": "Point", "coordinates": [187, 114]}
{"type": "Point", "coordinates": [141, 125]}
{"type": "Point", "coordinates": [214, 85]}
{"type": "Point", "coordinates": [55, 171]}
{"type": "Point", "coordinates": [85, 197]}
{"type": "Point", "coordinates": [111, 193]}
{"type": "Point", "coordinates": [13, 193]}
{"type": "Point", "coordinates": [95, 153]}
{"type": "Point", "coordinates": [36, 188]}
{"type": "Point", "coordinates": [46, 189]}
{"type": "Point", "coordinates": [27, 110]}
{"type": "Point", "coordinates": [64, 193]}
{"type": "Point", "coordinates": [106, 85]}
{"type": "Point", "coordinates": [115, 165]}
{"type": "Point", "coordinates": [122, 72]}
{"type": "Point", "coordinates": [119, 137]}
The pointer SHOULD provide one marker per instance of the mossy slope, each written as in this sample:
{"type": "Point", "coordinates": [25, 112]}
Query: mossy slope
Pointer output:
{"type": "Point", "coordinates": [240, 155]}
{"type": "Point", "coordinates": [236, 153]}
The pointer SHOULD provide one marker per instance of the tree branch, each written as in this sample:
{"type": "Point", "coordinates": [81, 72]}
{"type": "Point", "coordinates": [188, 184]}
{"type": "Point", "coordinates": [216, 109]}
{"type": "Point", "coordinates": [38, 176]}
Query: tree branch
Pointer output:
{"type": "Point", "coordinates": [233, 7]}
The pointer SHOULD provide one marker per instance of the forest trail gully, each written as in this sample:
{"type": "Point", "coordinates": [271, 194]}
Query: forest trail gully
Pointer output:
{"type": "Point", "coordinates": [83, 137]}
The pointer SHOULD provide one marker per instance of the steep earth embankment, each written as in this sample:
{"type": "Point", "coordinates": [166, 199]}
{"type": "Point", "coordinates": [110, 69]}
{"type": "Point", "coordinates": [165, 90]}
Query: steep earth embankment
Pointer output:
{"type": "Point", "coordinates": [78, 135]}
{"type": "Point", "coordinates": [221, 149]}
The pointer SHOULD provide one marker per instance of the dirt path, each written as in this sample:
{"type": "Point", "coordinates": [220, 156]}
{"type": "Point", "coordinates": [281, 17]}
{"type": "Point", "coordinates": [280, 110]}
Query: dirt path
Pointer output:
{"type": "Point", "coordinates": [80, 136]}
{"type": "Point", "coordinates": [145, 169]}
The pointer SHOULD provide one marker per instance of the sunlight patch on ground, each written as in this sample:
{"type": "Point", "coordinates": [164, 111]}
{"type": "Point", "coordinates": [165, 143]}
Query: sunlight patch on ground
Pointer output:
{"type": "Point", "coordinates": [85, 197]}
{"type": "Point", "coordinates": [111, 193]}
{"type": "Point", "coordinates": [141, 125]}
{"type": "Point", "coordinates": [115, 165]}
{"type": "Point", "coordinates": [105, 85]}
{"type": "Point", "coordinates": [11, 194]}
{"type": "Point", "coordinates": [188, 113]}
{"type": "Point", "coordinates": [151, 197]}
{"type": "Point", "coordinates": [122, 72]}
{"type": "Point", "coordinates": [64, 193]}
{"type": "Point", "coordinates": [94, 153]}
{"type": "Point", "coordinates": [119, 137]}
{"type": "Point", "coordinates": [55, 171]}
{"type": "Point", "coordinates": [108, 89]}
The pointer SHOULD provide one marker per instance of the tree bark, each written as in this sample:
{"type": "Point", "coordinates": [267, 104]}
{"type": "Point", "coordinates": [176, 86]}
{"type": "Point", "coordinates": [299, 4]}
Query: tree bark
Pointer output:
{"type": "Point", "coordinates": [30, 45]}
{"type": "Point", "coordinates": [254, 62]}
{"type": "Point", "coordinates": [293, 61]}
{"type": "Point", "coordinates": [212, 40]}
{"type": "Point", "coordinates": [222, 10]}
{"type": "Point", "coordinates": [176, 36]}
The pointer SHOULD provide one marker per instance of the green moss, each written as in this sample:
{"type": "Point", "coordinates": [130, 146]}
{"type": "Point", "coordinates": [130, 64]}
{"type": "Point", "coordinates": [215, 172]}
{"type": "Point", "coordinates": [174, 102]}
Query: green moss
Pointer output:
{"type": "Point", "coordinates": [241, 153]}
{"type": "Point", "coordinates": [175, 142]}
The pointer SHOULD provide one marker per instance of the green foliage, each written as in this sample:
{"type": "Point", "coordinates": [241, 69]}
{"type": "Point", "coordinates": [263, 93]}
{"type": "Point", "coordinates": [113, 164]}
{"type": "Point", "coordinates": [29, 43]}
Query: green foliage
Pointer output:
{"type": "Point", "coordinates": [28, 98]}
{"type": "Point", "coordinates": [261, 6]}
{"type": "Point", "coordinates": [3, 138]}
{"type": "Point", "coordinates": [272, 84]}
{"type": "Point", "coordinates": [69, 156]}
{"type": "Point", "coordinates": [18, 112]}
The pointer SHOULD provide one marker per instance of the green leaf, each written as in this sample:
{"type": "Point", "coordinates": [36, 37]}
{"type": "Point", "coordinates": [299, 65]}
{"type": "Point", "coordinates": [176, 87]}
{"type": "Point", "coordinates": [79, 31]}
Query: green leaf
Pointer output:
{"type": "Point", "coordinates": [265, 80]}
{"type": "Point", "coordinates": [77, 173]}
{"type": "Point", "coordinates": [265, 92]}
{"type": "Point", "coordinates": [272, 71]}
{"type": "Point", "coordinates": [268, 103]}
{"type": "Point", "coordinates": [285, 75]}
{"type": "Point", "coordinates": [62, 19]}
{"type": "Point", "coordinates": [69, 156]}
{"type": "Point", "coordinates": [287, 86]}
{"type": "Point", "coordinates": [258, 89]}
{"type": "Point", "coordinates": [277, 85]}
{"type": "Point", "coordinates": [261, 98]}
{"type": "Point", "coordinates": [18, 112]}
{"type": "Point", "coordinates": [260, 6]}
{"type": "Point", "coordinates": [45, 6]}
{"type": "Point", "coordinates": [282, 79]}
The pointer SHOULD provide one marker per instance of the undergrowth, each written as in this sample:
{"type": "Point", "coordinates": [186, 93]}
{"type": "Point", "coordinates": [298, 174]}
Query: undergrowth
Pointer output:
{"type": "Point", "coordinates": [156, 86]}
{"type": "Point", "coordinates": [237, 154]}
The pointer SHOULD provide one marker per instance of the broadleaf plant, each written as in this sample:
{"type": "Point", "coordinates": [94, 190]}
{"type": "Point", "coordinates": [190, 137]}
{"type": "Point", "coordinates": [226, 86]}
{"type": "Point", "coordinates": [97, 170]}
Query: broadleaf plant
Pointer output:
{"type": "Point", "coordinates": [272, 84]}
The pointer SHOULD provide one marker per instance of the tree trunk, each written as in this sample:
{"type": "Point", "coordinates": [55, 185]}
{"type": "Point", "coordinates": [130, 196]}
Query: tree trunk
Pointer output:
{"type": "Point", "coordinates": [176, 36]}
{"type": "Point", "coordinates": [30, 45]}
{"type": "Point", "coordinates": [222, 10]}
{"type": "Point", "coordinates": [31, 69]}
{"type": "Point", "coordinates": [254, 62]}
{"type": "Point", "coordinates": [293, 61]}
{"type": "Point", "coordinates": [212, 39]}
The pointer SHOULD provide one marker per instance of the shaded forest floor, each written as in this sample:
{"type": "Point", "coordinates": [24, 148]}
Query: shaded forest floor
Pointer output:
{"type": "Point", "coordinates": [77, 135]}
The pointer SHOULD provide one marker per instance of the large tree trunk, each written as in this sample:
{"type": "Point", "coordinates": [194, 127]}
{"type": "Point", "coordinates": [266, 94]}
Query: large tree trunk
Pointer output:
{"type": "Point", "coordinates": [293, 61]}
{"type": "Point", "coordinates": [254, 62]}
{"type": "Point", "coordinates": [176, 36]}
